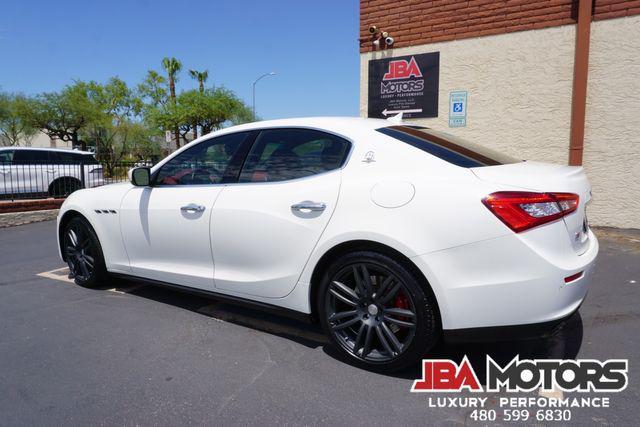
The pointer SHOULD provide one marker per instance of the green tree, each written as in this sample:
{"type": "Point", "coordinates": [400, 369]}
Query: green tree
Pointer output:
{"type": "Point", "coordinates": [117, 130]}
{"type": "Point", "coordinates": [153, 89]}
{"type": "Point", "coordinates": [172, 66]}
{"type": "Point", "coordinates": [15, 126]}
{"type": "Point", "coordinates": [65, 114]}
{"type": "Point", "coordinates": [210, 110]}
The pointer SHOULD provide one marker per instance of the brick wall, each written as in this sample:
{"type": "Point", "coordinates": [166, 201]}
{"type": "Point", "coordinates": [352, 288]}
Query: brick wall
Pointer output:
{"type": "Point", "coordinates": [29, 205]}
{"type": "Point", "coordinates": [415, 22]}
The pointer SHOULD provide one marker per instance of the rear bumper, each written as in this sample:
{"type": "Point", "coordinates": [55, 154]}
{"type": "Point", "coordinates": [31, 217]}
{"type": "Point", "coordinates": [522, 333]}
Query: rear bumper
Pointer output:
{"type": "Point", "coordinates": [506, 333]}
{"type": "Point", "coordinates": [508, 285]}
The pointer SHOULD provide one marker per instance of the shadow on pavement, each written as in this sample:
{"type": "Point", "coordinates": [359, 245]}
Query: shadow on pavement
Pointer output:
{"type": "Point", "coordinates": [563, 344]}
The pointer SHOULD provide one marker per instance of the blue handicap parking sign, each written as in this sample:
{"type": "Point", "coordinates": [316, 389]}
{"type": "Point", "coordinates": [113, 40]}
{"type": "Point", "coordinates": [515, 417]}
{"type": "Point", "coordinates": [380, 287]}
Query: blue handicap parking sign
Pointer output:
{"type": "Point", "coordinates": [458, 108]}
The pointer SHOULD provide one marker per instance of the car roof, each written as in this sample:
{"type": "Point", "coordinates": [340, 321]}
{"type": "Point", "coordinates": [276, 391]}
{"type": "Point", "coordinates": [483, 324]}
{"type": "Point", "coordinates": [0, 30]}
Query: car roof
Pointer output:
{"type": "Point", "coordinates": [62, 150]}
{"type": "Point", "coordinates": [347, 126]}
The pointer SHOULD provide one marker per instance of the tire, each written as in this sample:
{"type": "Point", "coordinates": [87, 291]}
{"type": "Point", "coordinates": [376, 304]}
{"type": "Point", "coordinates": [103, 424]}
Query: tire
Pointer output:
{"type": "Point", "coordinates": [84, 254]}
{"type": "Point", "coordinates": [385, 323]}
{"type": "Point", "coordinates": [63, 187]}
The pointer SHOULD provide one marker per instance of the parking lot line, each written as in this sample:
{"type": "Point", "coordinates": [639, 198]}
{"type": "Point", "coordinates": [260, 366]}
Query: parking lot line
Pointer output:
{"type": "Point", "coordinates": [62, 275]}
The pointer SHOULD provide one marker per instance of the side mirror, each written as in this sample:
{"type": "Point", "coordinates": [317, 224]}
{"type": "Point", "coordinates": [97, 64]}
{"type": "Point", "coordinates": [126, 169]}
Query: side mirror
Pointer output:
{"type": "Point", "coordinates": [141, 177]}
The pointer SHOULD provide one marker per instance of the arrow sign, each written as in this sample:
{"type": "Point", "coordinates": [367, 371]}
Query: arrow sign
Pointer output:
{"type": "Point", "coordinates": [392, 112]}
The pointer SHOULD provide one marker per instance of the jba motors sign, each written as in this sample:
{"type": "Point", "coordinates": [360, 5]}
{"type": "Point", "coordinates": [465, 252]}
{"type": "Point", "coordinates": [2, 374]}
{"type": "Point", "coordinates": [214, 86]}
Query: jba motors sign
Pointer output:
{"type": "Point", "coordinates": [405, 84]}
{"type": "Point", "coordinates": [567, 375]}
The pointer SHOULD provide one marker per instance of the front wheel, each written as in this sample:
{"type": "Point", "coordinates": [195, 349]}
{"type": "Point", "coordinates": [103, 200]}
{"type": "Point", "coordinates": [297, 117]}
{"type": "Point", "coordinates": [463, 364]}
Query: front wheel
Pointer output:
{"type": "Point", "coordinates": [376, 313]}
{"type": "Point", "coordinates": [84, 254]}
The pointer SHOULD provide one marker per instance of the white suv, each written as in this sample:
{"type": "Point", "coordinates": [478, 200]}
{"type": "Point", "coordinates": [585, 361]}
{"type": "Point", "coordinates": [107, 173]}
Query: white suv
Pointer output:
{"type": "Point", "coordinates": [56, 172]}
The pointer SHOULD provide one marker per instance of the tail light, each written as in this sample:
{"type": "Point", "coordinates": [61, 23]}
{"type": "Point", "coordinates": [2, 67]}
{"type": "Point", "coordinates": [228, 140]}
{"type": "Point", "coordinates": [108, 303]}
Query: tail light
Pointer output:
{"type": "Point", "coordinates": [521, 210]}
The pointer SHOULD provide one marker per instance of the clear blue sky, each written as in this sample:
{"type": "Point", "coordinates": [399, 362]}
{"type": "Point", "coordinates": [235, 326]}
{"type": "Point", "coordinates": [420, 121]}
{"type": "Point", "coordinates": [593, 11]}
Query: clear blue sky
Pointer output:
{"type": "Point", "coordinates": [312, 45]}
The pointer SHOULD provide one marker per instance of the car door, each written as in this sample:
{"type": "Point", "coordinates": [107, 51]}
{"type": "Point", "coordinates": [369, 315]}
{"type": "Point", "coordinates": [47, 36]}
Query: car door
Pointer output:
{"type": "Point", "coordinates": [265, 226]}
{"type": "Point", "coordinates": [165, 227]}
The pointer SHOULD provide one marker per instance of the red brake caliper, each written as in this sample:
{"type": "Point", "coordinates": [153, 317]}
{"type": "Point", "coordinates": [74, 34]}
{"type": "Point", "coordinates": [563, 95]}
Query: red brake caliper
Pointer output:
{"type": "Point", "coordinates": [401, 301]}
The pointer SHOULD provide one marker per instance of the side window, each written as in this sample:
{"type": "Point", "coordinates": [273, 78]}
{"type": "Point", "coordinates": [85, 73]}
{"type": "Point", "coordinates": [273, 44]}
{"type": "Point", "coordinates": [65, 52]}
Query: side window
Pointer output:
{"type": "Point", "coordinates": [283, 154]}
{"type": "Point", "coordinates": [209, 162]}
{"type": "Point", "coordinates": [30, 157]}
{"type": "Point", "coordinates": [6, 156]}
{"type": "Point", "coordinates": [88, 159]}
{"type": "Point", "coordinates": [65, 158]}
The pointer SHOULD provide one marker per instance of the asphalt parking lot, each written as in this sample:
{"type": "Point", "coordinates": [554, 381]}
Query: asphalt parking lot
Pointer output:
{"type": "Point", "coordinates": [138, 355]}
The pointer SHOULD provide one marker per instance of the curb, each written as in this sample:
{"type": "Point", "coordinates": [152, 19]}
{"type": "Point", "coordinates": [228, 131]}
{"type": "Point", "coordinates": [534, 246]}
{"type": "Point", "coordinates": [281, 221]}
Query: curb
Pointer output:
{"type": "Point", "coordinates": [12, 219]}
{"type": "Point", "coordinates": [30, 205]}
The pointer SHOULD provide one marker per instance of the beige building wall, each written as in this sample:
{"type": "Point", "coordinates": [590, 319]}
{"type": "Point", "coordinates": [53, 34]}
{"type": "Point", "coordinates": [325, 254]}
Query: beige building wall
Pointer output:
{"type": "Point", "coordinates": [42, 140]}
{"type": "Point", "coordinates": [612, 134]}
{"type": "Point", "coordinates": [519, 101]}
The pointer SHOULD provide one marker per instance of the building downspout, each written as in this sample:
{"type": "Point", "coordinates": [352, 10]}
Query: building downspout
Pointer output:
{"type": "Point", "coordinates": [580, 74]}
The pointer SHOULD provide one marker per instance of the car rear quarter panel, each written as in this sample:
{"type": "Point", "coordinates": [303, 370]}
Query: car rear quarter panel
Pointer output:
{"type": "Point", "coordinates": [445, 211]}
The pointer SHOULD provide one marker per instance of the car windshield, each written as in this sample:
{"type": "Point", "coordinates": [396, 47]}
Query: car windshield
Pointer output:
{"type": "Point", "coordinates": [448, 147]}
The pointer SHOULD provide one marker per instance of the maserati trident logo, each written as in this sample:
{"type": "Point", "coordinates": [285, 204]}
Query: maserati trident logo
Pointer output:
{"type": "Point", "coordinates": [369, 157]}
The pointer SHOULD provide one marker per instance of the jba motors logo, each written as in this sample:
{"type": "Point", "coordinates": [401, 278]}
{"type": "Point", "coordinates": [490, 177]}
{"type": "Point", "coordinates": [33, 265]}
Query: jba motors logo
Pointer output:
{"type": "Point", "coordinates": [401, 69]}
{"type": "Point", "coordinates": [583, 375]}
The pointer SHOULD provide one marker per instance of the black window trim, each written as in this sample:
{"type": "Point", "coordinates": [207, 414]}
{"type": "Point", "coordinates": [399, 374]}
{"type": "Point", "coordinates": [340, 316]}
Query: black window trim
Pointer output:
{"type": "Point", "coordinates": [244, 151]}
{"type": "Point", "coordinates": [76, 158]}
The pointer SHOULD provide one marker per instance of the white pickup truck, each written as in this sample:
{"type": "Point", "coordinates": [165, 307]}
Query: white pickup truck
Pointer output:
{"type": "Point", "coordinates": [56, 172]}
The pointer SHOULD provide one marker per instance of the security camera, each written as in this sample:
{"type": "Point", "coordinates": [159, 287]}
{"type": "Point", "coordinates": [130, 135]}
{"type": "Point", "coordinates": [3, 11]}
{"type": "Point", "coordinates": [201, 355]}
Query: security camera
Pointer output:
{"type": "Point", "coordinates": [384, 34]}
{"type": "Point", "coordinates": [376, 42]}
{"type": "Point", "coordinates": [373, 29]}
{"type": "Point", "coordinates": [389, 41]}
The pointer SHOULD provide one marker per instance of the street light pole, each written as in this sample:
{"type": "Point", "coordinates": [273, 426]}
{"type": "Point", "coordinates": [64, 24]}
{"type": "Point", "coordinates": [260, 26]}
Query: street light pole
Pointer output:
{"type": "Point", "coordinates": [253, 104]}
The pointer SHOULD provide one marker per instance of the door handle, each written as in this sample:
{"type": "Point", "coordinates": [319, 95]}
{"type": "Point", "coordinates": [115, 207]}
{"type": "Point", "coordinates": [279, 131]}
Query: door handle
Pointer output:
{"type": "Point", "coordinates": [192, 207]}
{"type": "Point", "coordinates": [51, 171]}
{"type": "Point", "coordinates": [309, 206]}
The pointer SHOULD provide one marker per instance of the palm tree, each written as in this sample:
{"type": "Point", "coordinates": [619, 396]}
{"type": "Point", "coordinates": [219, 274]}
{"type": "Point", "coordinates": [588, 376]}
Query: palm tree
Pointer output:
{"type": "Point", "coordinates": [201, 77]}
{"type": "Point", "coordinates": [173, 67]}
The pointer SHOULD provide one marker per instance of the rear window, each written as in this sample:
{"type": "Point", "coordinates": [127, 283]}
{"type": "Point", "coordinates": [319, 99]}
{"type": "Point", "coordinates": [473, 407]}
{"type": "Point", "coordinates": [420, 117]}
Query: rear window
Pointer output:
{"type": "Point", "coordinates": [448, 147]}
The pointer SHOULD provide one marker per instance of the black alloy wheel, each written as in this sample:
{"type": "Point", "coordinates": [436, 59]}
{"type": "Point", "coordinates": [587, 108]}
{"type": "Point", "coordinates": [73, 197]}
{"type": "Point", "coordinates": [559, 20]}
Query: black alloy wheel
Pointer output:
{"type": "Point", "coordinates": [83, 253]}
{"type": "Point", "coordinates": [376, 312]}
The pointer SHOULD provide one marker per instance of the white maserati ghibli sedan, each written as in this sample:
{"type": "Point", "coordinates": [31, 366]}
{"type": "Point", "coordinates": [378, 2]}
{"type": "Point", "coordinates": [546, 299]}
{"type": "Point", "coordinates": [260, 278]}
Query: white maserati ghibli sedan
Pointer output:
{"type": "Point", "coordinates": [391, 236]}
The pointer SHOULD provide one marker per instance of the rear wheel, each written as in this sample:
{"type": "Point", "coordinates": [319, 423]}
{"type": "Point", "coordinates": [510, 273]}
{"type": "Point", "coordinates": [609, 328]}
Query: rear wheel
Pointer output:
{"type": "Point", "coordinates": [376, 313]}
{"type": "Point", "coordinates": [84, 254]}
